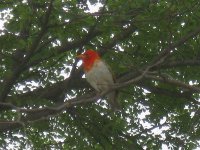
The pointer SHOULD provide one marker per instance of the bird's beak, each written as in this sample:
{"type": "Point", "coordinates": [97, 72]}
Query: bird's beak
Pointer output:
{"type": "Point", "coordinates": [81, 56]}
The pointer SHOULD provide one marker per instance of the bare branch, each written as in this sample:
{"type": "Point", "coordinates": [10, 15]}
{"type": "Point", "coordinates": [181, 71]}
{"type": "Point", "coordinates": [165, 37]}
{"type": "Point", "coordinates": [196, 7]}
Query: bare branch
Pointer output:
{"type": "Point", "coordinates": [174, 82]}
{"type": "Point", "coordinates": [181, 63]}
{"type": "Point", "coordinates": [166, 92]}
{"type": "Point", "coordinates": [10, 125]}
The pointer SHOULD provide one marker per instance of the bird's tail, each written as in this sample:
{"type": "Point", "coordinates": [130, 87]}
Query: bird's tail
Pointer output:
{"type": "Point", "coordinates": [113, 100]}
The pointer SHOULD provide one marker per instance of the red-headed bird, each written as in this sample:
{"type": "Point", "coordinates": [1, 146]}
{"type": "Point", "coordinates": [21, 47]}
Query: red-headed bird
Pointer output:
{"type": "Point", "coordinates": [99, 76]}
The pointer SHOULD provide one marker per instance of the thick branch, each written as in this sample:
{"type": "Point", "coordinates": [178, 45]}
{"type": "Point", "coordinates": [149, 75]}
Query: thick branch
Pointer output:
{"type": "Point", "coordinates": [181, 63]}
{"type": "Point", "coordinates": [167, 92]}
{"type": "Point", "coordinates": [10, 125]}
{"type": "Point", "coordinates": [177, 83]}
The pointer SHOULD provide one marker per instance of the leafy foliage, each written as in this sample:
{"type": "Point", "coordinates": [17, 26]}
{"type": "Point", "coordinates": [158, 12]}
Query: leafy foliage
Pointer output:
{"type": "Point", "coordinates": [152, 47]}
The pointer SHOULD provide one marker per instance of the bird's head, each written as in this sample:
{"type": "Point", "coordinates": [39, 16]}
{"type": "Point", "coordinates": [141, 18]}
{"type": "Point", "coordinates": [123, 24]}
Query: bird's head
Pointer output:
{"type": "Point", "coordinates": [88, 58]}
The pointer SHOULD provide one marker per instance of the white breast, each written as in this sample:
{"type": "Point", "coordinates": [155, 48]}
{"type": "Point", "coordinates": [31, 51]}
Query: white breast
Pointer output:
{"type": "Point", "coordinates": [100, 77]}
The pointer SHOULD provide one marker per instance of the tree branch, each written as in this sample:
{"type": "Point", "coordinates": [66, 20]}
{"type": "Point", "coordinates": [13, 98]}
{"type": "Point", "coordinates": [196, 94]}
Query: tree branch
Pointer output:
{"type": "Point", "coordinates": [11, 79]}
{"type": "Point", "coordinates": [181, 63]}
{"type": "Point", "coordinates": [194, 89]}
{"type": "Point", "coordinates": [10, 125]}
{"type": "Point", "coordinates": [165, 53]}
{"type": "Point", "coordinates": [165, 92]}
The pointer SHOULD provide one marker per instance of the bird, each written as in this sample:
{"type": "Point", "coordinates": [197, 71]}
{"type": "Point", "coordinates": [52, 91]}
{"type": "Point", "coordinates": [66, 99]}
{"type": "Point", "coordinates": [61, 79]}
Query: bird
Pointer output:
{"type": "Point", "coordinates": [98, 74]}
